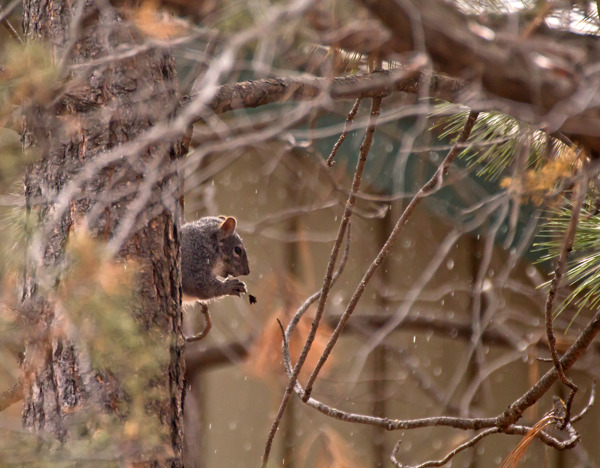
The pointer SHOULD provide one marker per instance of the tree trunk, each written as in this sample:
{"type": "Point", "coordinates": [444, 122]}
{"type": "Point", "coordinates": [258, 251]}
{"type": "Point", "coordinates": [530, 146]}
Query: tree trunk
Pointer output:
{"type": "Point", "coordinates": [130, 201]}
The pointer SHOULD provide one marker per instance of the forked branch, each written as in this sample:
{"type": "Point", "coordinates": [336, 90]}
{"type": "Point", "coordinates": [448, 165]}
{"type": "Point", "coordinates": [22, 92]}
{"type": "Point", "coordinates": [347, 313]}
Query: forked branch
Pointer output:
{"type": "Point", "coordinates": [577, 197]}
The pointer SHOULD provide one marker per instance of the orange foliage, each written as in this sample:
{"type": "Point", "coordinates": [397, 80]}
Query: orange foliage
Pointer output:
{"type": "Point", "coordinates": [92, 269]}
{"type": "Point", "coordinates": [157, 24]}
{"type": "Point", "coordinates": [536, 184]}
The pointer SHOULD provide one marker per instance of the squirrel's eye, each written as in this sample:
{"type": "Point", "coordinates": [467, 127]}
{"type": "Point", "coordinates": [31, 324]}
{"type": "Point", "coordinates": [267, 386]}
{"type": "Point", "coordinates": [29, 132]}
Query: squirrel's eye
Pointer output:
{"type": "Point", "coordinates": [238, 251]}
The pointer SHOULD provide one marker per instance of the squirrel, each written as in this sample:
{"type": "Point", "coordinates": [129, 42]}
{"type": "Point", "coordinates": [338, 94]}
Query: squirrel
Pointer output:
{"type": "Point", "coordinates": [211, 251]}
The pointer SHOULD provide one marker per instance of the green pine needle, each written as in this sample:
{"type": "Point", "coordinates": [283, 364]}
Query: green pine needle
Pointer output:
{"type": "Point", "coordinates": [495, 140]}
{"type": "Point", "coordinates": [583, 270]}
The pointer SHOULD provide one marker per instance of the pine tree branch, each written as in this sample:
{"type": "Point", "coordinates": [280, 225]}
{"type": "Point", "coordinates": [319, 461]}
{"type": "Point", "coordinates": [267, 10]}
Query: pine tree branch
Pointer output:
{"type": "Point", "coordinates": [250, 94]}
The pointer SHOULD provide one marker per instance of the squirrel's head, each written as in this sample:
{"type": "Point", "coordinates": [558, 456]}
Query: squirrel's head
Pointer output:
{"type": "Point", "coordinates": [231, 248]}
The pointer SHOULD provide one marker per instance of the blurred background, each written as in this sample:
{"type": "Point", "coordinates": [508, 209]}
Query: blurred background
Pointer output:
{"type": "Point", "coordinates": [451, 324]}
{"type": "Point", "coordinates": [455, 264]}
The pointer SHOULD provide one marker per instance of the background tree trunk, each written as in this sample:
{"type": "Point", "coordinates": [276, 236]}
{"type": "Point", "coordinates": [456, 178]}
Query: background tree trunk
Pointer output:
{"type": "Point", "coordinates": [97, 110]}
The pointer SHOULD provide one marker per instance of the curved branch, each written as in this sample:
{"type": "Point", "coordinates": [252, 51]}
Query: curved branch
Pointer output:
{"type": "Point", "coordinates": [293, 383]}
{"type": "Point", "coordinates": [469, 443]}
{"type": "Point", "coordinates": [504, 422]}
{"type": "Point", "coordinates": [433, 183]}
{"type": "Point", "coordinates": [577, 197]}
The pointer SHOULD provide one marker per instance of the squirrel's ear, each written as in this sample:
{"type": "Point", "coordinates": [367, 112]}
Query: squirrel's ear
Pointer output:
{"type": "Point", "coordinates": [222, 217]}
{"type": "Point", "coordinates": [227, 227]}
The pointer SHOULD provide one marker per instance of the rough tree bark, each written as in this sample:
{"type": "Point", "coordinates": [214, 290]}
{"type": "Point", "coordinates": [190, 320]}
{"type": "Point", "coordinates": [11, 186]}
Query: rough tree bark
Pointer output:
{"type": "Point", "coordinates": [96, 110]}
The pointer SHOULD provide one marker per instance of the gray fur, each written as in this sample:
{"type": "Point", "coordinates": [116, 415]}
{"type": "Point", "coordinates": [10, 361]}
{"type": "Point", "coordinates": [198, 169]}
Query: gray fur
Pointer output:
{"type": "Point", "coordinates": [209, 256]}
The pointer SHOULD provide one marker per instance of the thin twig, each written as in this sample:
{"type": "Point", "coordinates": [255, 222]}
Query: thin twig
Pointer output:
{"type": "Point", "coordinates": [315, 297]}
{"type": "Point", "coordinates": [8, 25]}
{"type": "Point", "coordinates": [536, 22]}
{"type": "Point", "coordinates": [504, 422]}
{"type": "Point", "coordinates": [546, 438]}
{"type": "Point", "coordinates": [469, 443]}
{"type": "Point", "coordinates": [589, 404]}
{"type": "Point", "coordinates": [422, 378]}
{"type": "Point", "coordinates": [327, 281]}
{"type": "Point", "coordinates": [414, 293]}
{"type": "Point", "coordinates": [285, 349]}
{"type": "Point", "coordinates": [577, 198]}
{"type": "Point", "coordinates": [365, 148]}
{"type": "Point", "coordinates": [11, 396]}
{"type": "Point", "coordinates": [435, 181]}
{"type": "Point", "coordinates": [330, 162]}
{"type": "Point", "coordinates": [286, 214]}
{"type": "Point", "coordinates": [8, 10]}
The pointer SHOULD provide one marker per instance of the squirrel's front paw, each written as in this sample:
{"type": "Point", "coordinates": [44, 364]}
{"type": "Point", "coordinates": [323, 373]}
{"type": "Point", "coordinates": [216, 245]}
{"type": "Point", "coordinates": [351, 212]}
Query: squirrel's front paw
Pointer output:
{"type": "Point", "coordinates": [235, 287]}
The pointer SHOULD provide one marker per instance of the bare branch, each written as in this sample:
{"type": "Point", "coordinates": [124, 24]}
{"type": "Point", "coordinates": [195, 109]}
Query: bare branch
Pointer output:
{"type": "Point", "coordinates": [5, 12]}
{"type": "Point", "coordinates": [504, 422]}
{"type": "Point", "coordinates": [577, 199]}
{"type": "Point", "coordinates": [285, 349]}
{"type": "Point", "coordinates": [588, 406]}
{"type": "Point", "coordinates": [249, 94]}
{"type": "Point", "coordinates": [546, 438]}
{"type": "Point", "coordinates": [8, 25]}
{"type": "Point", "coordinates": [372, 320]}
{"type": "Point", "coordinates": [435, 181]}
{"type": "Point", "coordinates": [11, 396]}
{"type": "Point", "coordinates": [330, 162]}
{"type": "Point", "coordinates": [328, 280]}
{"type": "Point", "coordinates": [465, 445]}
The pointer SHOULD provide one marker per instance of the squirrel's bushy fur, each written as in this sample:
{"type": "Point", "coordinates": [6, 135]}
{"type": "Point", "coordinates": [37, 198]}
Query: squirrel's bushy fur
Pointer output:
{"type": "Point", "coordinates": [211, 251]}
